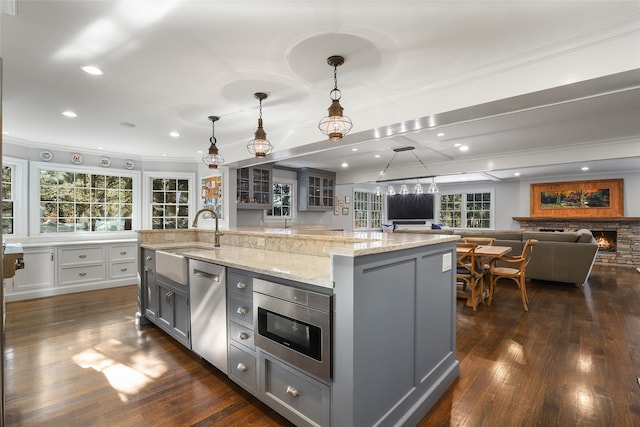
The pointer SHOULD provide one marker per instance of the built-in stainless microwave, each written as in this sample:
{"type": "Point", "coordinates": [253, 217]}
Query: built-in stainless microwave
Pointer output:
{"type": "Point", "coordinates": [294, 325]}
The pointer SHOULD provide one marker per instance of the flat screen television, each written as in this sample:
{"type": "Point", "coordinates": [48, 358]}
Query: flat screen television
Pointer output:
{"type": "Point", "coordinates": [410, 206]}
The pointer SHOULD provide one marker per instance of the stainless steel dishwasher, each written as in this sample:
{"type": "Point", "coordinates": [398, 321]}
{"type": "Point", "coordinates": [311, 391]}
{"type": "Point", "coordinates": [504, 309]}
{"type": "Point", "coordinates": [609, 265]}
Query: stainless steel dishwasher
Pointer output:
{"type": "Point", "coordinates": [208, 312]}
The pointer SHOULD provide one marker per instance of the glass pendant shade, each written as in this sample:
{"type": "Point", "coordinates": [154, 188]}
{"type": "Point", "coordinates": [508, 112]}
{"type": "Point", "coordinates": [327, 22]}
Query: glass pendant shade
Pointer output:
{"type": "Point", "coordinates": [260, 145]}
{"type": "Point", "coordinates": [433, 188]}
{"type": "Point", "coordinates": [404, 189]}
{"type": "Point", "coordinates": [336, 124]}
{"type": "Point", "coordinates": [418, 189]}
{"type": "Point", "coordinates": [213, 158]}
{"type": "Point", "coordinates": [391, 191]}
{"type": "Point", "coordinates": [378, 193]}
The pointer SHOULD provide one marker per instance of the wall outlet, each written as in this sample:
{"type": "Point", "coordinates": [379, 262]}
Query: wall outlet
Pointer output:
{"type": "Point", "coordinates": [446, 262]}
{"type": "Point", "coordinates": [260, 242]}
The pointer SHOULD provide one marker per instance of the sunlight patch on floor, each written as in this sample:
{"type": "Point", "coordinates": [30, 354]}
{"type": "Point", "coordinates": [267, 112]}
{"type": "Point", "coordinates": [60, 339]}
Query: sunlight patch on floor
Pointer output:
{"type": "Point", "coordinates": [126, 368]}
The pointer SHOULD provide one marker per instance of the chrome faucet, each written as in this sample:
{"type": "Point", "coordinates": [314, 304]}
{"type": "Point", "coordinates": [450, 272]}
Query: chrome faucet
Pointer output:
{"type": "Point", "coordinates": [216, 236]}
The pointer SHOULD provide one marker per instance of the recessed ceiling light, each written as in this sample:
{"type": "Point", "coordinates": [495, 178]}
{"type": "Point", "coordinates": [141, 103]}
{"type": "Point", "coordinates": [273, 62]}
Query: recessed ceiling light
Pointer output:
{"type": "Point", "coordinates": [377, 156]}
{"type": "Point", "coordinates": [199, 151]}
{"type": "Point", "coordinates": [164, 154]}
{"type": "Point", "coordinates": [516, 174]}
{"type": "Point", "coordinates": [345, 165]}
{"type": "Point", "coordinates": [441, 134]}
{"type": "Point", "coordinates": [464, 148]}
{"type": "Point", "coordinates": [100, 148]}
{"type": "Point", "coordinates": [90, 69]}
{"type": "Point", "coordinates": [69, 114]}
{"type": "Point", "coordinates": [354, 149]}
{"type": "Point", "coordinates": [457, 145]}
{"type": "Point", "coordinates": [5, 132]}
{"type": "Point", "coordinates": [585, 168]}
{"type": "Point", "coordinates": [174, 134]}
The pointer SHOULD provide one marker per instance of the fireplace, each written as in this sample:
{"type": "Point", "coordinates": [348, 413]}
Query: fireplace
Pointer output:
{"type": "Point", "coordinates": [607, 240]}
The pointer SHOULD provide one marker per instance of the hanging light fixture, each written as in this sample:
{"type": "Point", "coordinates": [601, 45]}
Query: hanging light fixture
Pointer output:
{"type": "Point", "coordinates": [335, 125]}
{"type": "Point", "coordinates": [433, 188]}
{"type": "Point", "coordinates": [260, 145]}
{"type": "Point", "coordinates": [213, 159]}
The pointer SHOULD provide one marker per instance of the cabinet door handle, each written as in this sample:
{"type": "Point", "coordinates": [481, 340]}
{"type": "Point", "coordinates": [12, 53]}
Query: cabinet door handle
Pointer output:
{"type": "Point", "coordinates": [149, 258]}
{"type": "Point", "coordinates": [82, 274]}
{"type": "Point", "coordinates": [241, 310]}
{"type": "Point", "coordinates": [292, 391]}
{"type": "Point", "coordinates": [243, 336]}
{"type": "Point", "coordinates": [241, 285]}
{"type": "Point", "coordinates": [242, 367]}
{"type": "Point", "coordinates": [82, 256]}
{"type": "Point", "coordinates": [167, 297]}
{"type": "Point", "coordinates": [123, 253]}
{"type": "Point", "coordinates": [123, 269]}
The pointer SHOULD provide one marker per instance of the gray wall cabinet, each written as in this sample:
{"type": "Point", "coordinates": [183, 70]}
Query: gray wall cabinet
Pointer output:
{"type": "Point", "coordinates": [316, 190]}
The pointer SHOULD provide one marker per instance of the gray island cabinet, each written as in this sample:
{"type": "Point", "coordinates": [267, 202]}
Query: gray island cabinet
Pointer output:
{"type": "Point", "coordinates": [392, 321]}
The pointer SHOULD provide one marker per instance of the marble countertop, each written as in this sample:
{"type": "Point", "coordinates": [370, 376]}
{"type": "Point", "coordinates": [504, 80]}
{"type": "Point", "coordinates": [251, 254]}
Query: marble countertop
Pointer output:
{"type": "Point", "coordinates": [300, 267]}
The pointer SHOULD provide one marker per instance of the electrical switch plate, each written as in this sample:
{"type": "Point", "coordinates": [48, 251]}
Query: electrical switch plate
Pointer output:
{"type": "Point", "coordinates": [446, 262]}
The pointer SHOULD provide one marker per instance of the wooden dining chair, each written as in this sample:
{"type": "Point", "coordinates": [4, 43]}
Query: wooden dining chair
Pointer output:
{"type": "Point", "coordinates": [469, 275]}
{"type": "Point", "coordinates": [515, 273]}
{"type": "Point", "coordinates": [485, 241]}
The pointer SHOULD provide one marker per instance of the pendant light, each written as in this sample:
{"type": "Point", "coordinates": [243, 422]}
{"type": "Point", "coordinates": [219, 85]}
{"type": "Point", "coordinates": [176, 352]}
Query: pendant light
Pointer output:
{"type": "Point", "coordinates": [260, 145]}
{"type": "Point", "coordinates": [418, 188]}
{"type": "Point", "coordinates": [433, 188]}
{"type": "Point", "coordinates": [335, 125]}
{"type": "Point", "coordinates": [213, 159]}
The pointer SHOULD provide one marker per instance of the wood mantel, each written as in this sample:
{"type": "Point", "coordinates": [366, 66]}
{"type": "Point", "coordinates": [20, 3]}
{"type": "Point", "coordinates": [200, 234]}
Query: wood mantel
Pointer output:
{"type": "Point", "coordinates": [578, 218]}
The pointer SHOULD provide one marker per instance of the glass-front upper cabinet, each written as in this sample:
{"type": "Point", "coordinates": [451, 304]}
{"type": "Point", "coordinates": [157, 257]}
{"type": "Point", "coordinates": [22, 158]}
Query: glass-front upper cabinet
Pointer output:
{"type": "Point", "coordinates": [316, 190]}
{"type": "Point", "coordinates": [254, 187]}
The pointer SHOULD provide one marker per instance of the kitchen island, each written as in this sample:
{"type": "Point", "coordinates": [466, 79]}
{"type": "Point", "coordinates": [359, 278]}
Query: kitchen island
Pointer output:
{"type": "Point", "coordinates": [392, 339]}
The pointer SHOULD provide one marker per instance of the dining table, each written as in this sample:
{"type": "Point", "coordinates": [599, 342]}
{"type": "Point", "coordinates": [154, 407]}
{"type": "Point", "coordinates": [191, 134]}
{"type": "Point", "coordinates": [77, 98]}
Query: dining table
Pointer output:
{"type": "Point", "coordinates": [484, 255]}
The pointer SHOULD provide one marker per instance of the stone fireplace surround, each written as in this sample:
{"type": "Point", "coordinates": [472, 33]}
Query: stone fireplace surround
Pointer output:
{"type": "Point", "coordinates": [628, 229]}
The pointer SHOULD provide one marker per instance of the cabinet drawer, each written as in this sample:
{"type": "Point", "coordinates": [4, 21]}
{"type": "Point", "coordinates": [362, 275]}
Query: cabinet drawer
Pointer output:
{"type": "Point", "coordinates": [241, 334]}
{"type": "Point", "coordinates": [122, 253]}
{"type": "Point", "coordinates": [302, 395]}
{"type": "Point", "coordinates": [240, 283]}
{"type": "Point", "coordinates": [85, 273]}
{"type": "Point", "coordinates": [120, 270]}
{"type": "Point", "coordinates": [240, 309]}
{"type": "Point", "coordinates": [242, 367]}
{"type": "Point", "coordinates": [81, 256]}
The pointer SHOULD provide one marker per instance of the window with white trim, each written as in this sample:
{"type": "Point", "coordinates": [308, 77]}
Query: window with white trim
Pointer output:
{"type": "Point", "coordinates": [367, 210]}
{"type": "Point", "coordinates": [283, 196]}
{"type": "Point", "coordinates": [8, 199]}
{"type": "Point", "coordinates": [74, 200]}
{"type": "Point", "coordinates": [467, 210]}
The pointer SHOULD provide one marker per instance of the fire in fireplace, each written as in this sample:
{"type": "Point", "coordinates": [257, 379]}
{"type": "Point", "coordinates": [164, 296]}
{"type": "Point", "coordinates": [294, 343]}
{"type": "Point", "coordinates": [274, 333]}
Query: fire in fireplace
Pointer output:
{"type": "Point", "coordinates": [606, 240]}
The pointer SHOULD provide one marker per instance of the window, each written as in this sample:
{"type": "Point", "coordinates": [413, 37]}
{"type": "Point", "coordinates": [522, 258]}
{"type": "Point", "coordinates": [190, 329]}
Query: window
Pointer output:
{"type": "Point", "coordinates": [170, 203]}
{"type": "Point", "coordinates": [467, 210]}
{"type": "Point", "coordinates": [283, 200]}
{"type": "Point", "coordinates": [8, 197]}
{"type": "Point", "coordinates": [367, 210]}
{"type": "Point", "coordinates": [70, 201]}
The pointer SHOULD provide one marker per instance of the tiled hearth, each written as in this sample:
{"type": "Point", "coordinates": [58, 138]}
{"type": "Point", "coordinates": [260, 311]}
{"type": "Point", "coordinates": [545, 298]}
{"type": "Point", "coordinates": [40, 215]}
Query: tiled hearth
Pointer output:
{"type": "Point", "coordinates": [627, 251]}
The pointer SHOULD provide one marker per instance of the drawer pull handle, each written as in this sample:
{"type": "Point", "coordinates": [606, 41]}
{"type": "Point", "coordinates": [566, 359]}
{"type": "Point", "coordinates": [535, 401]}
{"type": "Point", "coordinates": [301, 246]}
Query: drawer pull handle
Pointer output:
{"type": "Point", "coordinates": [241, 310]}
{"type": "Point", "coordinates": [243, 336]}
{"type": "Point", "coordinates": [123, 269]}
{"type": "Point", "coordinates": [123, 253]}
{"type": "Point", "coordinates": [292, 391]}
{"type": "Point", "coordinates": [242, 367]}
{"type": "Point", "coordinates": [82, 256]}
{"type": "Point", "coordinates": [82, 274]}
{"type": "Point", "coordinates": [241, 285]}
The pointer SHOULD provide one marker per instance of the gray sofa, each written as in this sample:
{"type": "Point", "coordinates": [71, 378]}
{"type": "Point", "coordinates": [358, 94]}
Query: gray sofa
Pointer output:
{"type": "Point", "coordinates": [559, 256]}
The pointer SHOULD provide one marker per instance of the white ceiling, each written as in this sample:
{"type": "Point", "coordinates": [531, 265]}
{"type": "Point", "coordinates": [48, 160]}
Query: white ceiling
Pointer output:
{"type": "Point", "coordinates": [413, 69]}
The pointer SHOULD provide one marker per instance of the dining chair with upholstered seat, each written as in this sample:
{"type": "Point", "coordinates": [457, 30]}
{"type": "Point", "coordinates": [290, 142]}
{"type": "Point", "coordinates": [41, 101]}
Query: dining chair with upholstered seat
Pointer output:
{"type": "Point", "coordinates": [515, 273]}
{"type": "Point", "coordinates": [469, 274]}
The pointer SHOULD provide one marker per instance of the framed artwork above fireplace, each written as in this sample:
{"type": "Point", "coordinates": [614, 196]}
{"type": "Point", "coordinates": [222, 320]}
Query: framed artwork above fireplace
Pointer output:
{"type": "Point", "coordinates": [595, 198]}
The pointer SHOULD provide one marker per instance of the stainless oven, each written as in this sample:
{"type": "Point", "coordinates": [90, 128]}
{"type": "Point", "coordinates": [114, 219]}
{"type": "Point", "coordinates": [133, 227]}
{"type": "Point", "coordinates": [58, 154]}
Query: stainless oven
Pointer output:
{"type": "Point", "coordinates": [294, 325]}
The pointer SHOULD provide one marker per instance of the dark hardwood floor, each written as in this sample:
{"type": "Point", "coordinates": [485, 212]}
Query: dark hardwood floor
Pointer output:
{"type": "Point", "coordinates": [573, 359]}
